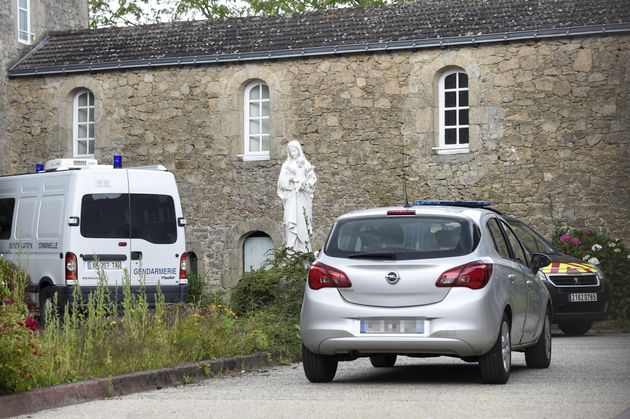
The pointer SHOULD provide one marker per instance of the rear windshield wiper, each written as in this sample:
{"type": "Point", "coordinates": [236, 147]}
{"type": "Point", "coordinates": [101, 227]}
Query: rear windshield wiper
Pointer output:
{"type": "Point", "coordinates": [373, 255]}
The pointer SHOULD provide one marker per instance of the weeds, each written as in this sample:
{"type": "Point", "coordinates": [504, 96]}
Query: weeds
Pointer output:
{"type": "Point", "coordinates": [102, 338]}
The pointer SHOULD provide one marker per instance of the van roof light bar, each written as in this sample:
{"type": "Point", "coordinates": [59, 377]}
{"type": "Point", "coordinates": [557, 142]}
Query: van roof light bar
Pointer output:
{"type": "Point", "coordinates": [68, 164]}
{"type": "Point", "coordinates": [452, 203]}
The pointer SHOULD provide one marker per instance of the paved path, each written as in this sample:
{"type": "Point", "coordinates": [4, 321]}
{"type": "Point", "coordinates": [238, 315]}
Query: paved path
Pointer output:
{"type": "Point", "coordinates": [589, 378]}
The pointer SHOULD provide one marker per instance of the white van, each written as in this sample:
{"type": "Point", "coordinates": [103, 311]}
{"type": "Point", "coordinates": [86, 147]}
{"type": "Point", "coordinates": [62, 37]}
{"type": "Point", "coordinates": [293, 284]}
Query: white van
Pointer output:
{"type": "Point", "coordinates": [75, 217]}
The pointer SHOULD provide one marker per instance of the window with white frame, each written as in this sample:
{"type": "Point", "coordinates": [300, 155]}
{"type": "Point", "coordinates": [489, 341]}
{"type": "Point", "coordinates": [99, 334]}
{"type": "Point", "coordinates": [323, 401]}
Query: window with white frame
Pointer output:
{"type": "Point", "coordinates": [24, 21]}
{"type": "Point", "coordinates": [256, 109]}
{"type": "Point", "coordinates": [83, 124]}
{"type": "Point", "coordinates": [453, 108]}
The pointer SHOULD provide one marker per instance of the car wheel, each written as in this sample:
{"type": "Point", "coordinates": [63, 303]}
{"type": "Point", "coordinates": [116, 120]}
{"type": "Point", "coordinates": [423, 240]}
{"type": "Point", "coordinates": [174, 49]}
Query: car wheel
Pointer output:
{"type": "Point", "coordinates": [318, 368]}
{"type": "Point", "coordinates": [539, 355]}
{"type": "Point", "coordinates": [383, 361]}
{"type": "Point", "coordinates": [496, 365]}
{"type": "Point", "coordinates": [575, 328]}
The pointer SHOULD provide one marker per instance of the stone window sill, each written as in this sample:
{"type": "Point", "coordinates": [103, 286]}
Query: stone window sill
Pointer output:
{"type": "Point", "coordinates": [244, 157]}
{"type": "Point", "coordinates": [463, 150]}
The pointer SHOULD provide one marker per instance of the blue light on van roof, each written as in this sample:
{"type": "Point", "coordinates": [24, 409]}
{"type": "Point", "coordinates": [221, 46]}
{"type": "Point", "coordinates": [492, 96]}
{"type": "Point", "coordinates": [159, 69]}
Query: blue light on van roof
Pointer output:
{"type": "Point", "coordinates": [39, 167]}
{"type": "Point", "coordinates": [452, 203]}
{"type": "Point", "coordinates": [117, 162]}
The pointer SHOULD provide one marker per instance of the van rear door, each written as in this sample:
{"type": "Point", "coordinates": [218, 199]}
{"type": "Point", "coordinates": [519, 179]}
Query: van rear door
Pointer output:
{"type": "Point", "coordinates": [103, 242]}
{"type": "Point", "coordinates": [157, 243]}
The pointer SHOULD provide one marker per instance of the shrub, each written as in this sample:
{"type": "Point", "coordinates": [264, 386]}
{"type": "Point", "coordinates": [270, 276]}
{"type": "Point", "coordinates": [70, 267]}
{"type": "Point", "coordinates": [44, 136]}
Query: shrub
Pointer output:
{"type": "Point", "coordinates": [610, 255]}
{"type": "Point", "coordinates": [196, 285]}
{"type": "Point", "coordinates": [271, 298]}
{"type": "Point", "coordinates": [20, 350]}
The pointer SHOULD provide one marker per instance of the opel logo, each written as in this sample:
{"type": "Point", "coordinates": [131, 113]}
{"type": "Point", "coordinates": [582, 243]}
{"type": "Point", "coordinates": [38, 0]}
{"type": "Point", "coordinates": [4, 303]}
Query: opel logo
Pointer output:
{"type": "Point", "coordinates": [392, 277]}
{"type": "Point", "coordinates": [576, 281]}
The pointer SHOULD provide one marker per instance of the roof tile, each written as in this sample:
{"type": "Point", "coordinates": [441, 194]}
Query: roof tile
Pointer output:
{"type": "Point", "coordinates": [421, 20]}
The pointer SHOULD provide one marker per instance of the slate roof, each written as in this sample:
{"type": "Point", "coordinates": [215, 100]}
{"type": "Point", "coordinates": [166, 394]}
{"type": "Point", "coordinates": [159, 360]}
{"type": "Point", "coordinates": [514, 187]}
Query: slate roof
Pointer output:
{"type": "Point", "coordinates": [425, 23]}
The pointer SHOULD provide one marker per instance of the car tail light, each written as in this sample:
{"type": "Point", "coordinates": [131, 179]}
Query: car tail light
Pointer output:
{"type": "Point", "coordinates": [324, 276]}
{"type": "Point", "coordinates": [474, 275]}
{"type": "Point", "coordinates": [183, 269]}
{"type": "Point", "coordinates": [71, 268]}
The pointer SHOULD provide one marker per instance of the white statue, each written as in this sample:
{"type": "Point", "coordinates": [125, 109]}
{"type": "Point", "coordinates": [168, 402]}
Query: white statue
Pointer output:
{"type": "Point", "coordinates": [296, 184]}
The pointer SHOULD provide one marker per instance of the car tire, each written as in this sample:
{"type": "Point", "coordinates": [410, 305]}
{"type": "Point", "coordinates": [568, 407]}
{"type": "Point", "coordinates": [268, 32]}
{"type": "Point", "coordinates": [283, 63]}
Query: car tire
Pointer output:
{"type": "Point", "coordinates": [539, 355]}
{"type": "Point", "coordinates": [383, 360]}
{"type": "Point", "coordinates": [575, 328]}
{"type": "Point", "coordinates": [318, 368]}
{"type": "Point", "coordinates": [496, 365]}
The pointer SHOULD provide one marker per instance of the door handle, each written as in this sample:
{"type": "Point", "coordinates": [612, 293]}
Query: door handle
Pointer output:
{"type": "Point", "coordinates": [136, 255]}
{"type": "Point", "coordinates": [512, 277]}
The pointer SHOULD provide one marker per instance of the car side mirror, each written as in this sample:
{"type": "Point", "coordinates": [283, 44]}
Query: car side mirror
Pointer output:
{"type": "Point", "coordinates": [538, 261]}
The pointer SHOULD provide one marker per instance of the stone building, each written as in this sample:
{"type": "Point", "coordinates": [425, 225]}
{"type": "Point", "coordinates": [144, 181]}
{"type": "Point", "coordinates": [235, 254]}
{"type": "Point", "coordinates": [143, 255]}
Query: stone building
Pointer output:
{"type": "Point", "coordinates": [22, 24]}
{"type": "Point", "coordinates": [524, 103]}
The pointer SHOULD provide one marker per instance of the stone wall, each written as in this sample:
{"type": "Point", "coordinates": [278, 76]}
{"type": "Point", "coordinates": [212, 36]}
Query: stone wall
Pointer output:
{"type": "Point", "coordinates": [45, 15]}
{"type": "Point", "coordinates": [549, 135]}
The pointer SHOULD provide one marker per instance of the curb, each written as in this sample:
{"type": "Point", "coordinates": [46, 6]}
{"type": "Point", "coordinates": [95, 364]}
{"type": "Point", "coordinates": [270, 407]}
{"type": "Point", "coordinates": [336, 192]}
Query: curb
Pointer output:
{"type": "Point", "coordinates": [120, 385]}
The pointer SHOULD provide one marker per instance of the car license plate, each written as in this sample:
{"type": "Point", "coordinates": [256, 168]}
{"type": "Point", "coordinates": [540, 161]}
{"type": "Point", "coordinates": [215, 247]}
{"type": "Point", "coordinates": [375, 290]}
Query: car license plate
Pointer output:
{"type": "Point", "coordinates": [582, 297]}
{"type": "Point", "coordinates": [392, 326]}
{"type": "Point", "coordinates": [106, 266]}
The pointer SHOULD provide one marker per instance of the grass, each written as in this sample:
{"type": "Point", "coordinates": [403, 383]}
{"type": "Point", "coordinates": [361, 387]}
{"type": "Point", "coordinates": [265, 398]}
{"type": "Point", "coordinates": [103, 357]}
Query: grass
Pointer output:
{"type": "Point", "coordinates": [101, 339]}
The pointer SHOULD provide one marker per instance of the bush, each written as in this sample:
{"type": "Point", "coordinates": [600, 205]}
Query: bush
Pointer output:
{"type": "Point", "coordinates": [101, 339]}
{"type": "Point", "coordinates": [271, 298]}
{"type": "Point", "coordinates": [20, 350]}
{"type": "Point", "coordinates": [610, 255]}
{"type": "Point", "coordinates": [196, 285]}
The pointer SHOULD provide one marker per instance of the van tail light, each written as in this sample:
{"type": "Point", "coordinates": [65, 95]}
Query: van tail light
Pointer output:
{"type": "Point", "coordinates": [474, 275]}
{"type": "Point", "coordinates": [72, 270]}
{"type": "Point", "coordinates": [324, 276]}
{"type": "Point", "coordinates": [183, 269]}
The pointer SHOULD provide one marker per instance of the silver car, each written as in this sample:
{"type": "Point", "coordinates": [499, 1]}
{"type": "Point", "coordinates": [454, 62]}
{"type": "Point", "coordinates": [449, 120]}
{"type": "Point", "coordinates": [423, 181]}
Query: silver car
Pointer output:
{"type": "Point", "coordinates": [427, 280]}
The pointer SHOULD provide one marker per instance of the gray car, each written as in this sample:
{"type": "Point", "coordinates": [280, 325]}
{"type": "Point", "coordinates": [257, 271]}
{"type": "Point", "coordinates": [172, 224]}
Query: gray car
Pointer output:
{"type": "Point", "coordinates": [427, 280]}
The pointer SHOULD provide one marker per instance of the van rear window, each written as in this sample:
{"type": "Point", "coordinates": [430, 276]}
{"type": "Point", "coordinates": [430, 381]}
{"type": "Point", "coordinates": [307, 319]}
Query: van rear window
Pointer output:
{"type": "Point", "coordinates": [139, 216]}
{"type": "Point", "coordinates": [7, 206]}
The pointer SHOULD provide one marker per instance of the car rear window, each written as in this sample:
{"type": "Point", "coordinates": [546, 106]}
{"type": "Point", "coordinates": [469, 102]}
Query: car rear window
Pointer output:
{"type": "Point", "coordinates": [417, 237]}
{"type": "Point", "coordinates": [139, 216]}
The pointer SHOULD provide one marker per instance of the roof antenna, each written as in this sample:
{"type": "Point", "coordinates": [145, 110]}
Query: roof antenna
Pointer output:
{"type": "Point", "coordinates": [405, 197]}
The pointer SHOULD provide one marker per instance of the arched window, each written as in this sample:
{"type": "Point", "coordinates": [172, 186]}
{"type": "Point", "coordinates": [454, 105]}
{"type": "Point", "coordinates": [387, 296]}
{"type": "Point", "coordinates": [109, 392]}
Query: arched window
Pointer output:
{"type": "Point", "coordinates": [24, 21]}
{"type": "Point", "coordinates": [256, 109]}
{"type": "Point", "coordinates": [83, 124]}
{"type": "Point", "coordinates": [453, 108]}
{"type": "Point", "coordinates": [256, 250]}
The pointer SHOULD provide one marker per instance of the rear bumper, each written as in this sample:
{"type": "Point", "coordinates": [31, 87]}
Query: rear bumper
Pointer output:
{"type": "Point", "coordinates": [171, 293]}
{"type": "Point", "coordinates": [464, 324]}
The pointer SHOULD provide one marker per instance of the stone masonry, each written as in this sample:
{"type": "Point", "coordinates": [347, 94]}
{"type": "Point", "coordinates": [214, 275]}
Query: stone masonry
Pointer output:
{"type": "Point", "coordinates": [45, 15]}
{"type": "Point", "coordinates": [549, 135]}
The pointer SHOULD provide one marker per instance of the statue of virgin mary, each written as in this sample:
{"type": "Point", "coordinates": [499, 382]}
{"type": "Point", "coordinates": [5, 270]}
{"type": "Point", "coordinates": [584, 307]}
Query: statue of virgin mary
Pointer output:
{"type": "Point", "coordinates": [296, 184]}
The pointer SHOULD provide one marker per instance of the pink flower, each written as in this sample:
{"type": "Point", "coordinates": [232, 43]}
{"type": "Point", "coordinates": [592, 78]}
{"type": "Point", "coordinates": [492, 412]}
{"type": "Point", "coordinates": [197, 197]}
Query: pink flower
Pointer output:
{"type": "Point", "coordinates": [586, 231]}
{"type": "Point", "coordinates": [565, 238]}
{"type": "Point", "coordinates": [31, 323]}
{"type": "Point", "coordinates": [575, 241]}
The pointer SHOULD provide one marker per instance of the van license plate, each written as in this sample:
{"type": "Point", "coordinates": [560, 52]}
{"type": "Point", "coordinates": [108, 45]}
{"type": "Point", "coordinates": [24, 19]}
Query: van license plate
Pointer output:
{"type": "Point", "coordinates": [392, 326]}
{"type": "Point", "coordinates": [582, 297]}
{"type": "Point", "coordinates": [106, 266]}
